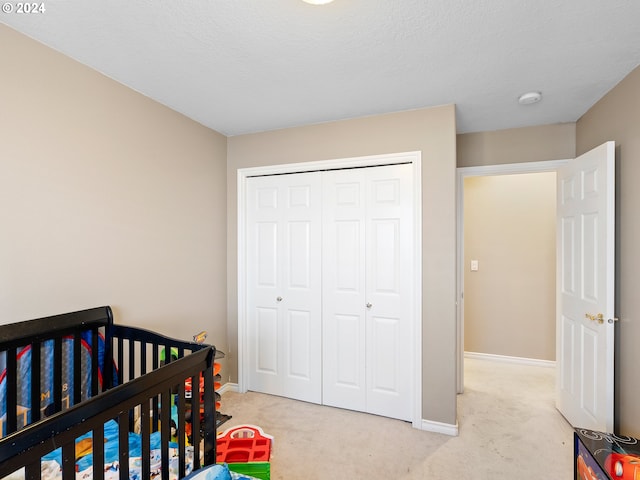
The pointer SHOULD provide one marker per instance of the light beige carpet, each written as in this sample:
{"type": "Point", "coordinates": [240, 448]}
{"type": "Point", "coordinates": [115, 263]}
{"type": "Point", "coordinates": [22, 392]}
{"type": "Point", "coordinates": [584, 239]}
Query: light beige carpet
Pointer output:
{"type": "Point", "coordinates": [509, 429]}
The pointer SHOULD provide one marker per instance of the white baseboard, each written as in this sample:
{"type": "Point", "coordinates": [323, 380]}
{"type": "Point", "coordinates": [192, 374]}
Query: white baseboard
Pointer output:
{"type": "Point", "coordinates": [228, 387]}
{"type": "Point", "coordinates": [439, 427]}
{"type": "Point", "coordinates": [426, 425]}
{"type": "Point", "coordinates": [506, 359]}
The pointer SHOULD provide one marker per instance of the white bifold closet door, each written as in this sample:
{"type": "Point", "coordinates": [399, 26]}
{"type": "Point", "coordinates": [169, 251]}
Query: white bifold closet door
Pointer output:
{"type": "Point", "coordinates": [329, 287]}
{"type": "Point", "coordinates": [367, 290]}
{"type": "Point", "coordinates": [284, 285]}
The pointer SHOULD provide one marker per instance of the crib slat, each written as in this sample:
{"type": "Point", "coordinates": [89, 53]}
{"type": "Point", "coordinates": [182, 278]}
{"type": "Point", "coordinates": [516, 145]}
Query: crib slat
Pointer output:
{"type": "Point", "coordinates": [121, 359]}
{"type": "Point", "coordinates": [143, 357]}
{"type": "Point", "coordinates": [156, 401]}
{"type": "Point", "coordinates": [98, 452]}
{"type": "Point", "coordinates": [195, 421]}
{"type": "Point", "coordinates": [182, 462]}
{"type": "Point", "coordinates": [33, 471]}
{"type": "Point", "coordinates": [165, 431]}
{"type": "Point", "coordinates": [77, 368]}
{"type": "Point", "coordinates": [145, 437]}
{"type": "Point", "coordinates": [132, 360]}
{"type": "Point", "coordinates": [12, 391]}
{"type": "Point", "coordinates": [209, 417]}
{"type": "Point", "coordinates": [69, 461]}
{"type": "Point", "coordinates": [107, 360]}
{"type": "Point", "coordinates": [123, 445]}
{"type": "Point", "coordinates": [36, 355]}
{"type": "Point", "coordinates": [95, 354]}
{"type": "Point", "coordinates": [156, 357]}
{"type": "Point", "coordinates": [155, 411]}
{"type": "Point", "coordinates": [57, 374]}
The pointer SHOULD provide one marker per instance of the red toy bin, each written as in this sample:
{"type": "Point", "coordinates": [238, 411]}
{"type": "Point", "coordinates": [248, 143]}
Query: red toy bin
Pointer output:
{"type": "Point", "coordinates": [243, 444]}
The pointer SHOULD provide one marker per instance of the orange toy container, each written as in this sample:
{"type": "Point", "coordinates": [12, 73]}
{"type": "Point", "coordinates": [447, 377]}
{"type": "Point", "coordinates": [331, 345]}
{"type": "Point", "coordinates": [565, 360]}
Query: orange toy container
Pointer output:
{"type": "Point", "coordinates": [243, 444]}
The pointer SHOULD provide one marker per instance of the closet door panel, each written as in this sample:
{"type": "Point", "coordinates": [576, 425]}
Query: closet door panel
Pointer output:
{"type": "Point", "coordinates": [343, 291]}
{"type": "Point", "coordinates": [302, 287]}
{"type": "Point", "coordinates": [284, 279]}
{"type": "Point", "coordinates": [264, 241]}
{"type": "Point", "coordinates": [389, 275]}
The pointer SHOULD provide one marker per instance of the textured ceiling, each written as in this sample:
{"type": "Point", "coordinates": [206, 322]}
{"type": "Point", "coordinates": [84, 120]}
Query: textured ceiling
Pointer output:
{"type": "Point", "coordinates": [241, 66]}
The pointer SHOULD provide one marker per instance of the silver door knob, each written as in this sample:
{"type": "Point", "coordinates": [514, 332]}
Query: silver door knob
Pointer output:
{"type": "Point", "coordinates": [279, 299]}
{"type": "Point", "coordinates": [611, 320]}
{"type": "Point", "coordinates": [369, 305]}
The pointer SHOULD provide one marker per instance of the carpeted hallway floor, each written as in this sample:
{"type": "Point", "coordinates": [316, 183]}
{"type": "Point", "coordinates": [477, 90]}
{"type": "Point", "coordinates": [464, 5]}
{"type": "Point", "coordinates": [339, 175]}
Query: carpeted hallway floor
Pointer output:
{"type": "Point", "coordinates": [509, 429]}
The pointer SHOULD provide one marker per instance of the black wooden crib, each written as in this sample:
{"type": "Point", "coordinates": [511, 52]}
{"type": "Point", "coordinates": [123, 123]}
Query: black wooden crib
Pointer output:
{"type": "Point", "coordinates": [83, 397]}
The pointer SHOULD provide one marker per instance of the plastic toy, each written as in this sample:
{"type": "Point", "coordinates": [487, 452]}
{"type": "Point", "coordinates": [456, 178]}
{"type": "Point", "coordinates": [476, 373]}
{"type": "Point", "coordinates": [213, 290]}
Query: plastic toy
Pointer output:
{"type": "Point", "coordinates": [623, 466]}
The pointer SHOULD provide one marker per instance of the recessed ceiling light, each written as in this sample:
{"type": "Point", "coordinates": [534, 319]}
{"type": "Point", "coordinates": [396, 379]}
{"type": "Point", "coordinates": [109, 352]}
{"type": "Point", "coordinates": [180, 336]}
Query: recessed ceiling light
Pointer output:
{"type": "Point", "coordinates": [529, 98]}
{"type": "Point", "coordinates": [318, 2]}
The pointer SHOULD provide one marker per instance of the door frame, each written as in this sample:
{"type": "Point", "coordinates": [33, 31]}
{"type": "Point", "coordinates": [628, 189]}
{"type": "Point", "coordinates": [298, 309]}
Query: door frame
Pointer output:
{"type": "Point", "coordinates": [415, 158]}
{"type": "Point", "coordinates": [481, 171]}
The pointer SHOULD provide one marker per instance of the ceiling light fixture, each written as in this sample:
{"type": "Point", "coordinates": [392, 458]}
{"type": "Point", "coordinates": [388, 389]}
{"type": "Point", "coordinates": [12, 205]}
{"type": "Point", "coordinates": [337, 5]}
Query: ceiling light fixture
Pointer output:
{"type": "Point", "coordinates": [529, 98]}
{"type": "Point", "coordinates": [318, 2]}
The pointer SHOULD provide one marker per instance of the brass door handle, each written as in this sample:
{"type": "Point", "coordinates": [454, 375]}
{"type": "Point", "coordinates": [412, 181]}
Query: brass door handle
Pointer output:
{"type": "Point", "coordinates": [595, 318]}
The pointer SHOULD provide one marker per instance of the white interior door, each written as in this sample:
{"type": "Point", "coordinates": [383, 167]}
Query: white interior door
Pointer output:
{"type": "Point", "coordinates": [283, 214]}
{"type": "Point", "coordinates": [367, 290]}
{"type": "Point", "coordinates": [585, 289]}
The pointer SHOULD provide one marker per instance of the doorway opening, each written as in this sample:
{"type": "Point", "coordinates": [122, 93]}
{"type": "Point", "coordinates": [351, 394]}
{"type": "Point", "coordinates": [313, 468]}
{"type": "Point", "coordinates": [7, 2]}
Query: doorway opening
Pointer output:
{"type": "Point", "coordinates": [507, 263]}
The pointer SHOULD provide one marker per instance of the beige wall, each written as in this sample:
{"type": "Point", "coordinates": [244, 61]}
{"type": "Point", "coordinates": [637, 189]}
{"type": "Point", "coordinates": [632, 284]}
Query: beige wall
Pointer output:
{"type": "Point", "coordinates": [106, 197]}
{"type": "Point", "coordinates": [517, 145]}
{"type": "Point", "coordinates": [617, 117]}
{"type": "Point", "coordinates": [509, 302]}
{"type": "Point", "coordinates": [431, 131]}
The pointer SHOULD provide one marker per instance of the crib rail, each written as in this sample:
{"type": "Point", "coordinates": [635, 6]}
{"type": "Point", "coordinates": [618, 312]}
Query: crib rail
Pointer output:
{"type": "Point", "coordinates": [117, 354]}
{"type": "Point", "coordinates": [21, 333]}
{"type": "Point", "coordinates": [26, 447]}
